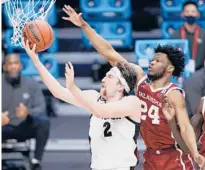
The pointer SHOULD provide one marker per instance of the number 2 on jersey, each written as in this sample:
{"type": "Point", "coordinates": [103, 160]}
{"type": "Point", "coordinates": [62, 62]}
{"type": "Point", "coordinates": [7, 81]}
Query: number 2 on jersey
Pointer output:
{"type": "Point", "coordinates": [107, 132]}
{"type": "Point", "coordinates": [152, 112]}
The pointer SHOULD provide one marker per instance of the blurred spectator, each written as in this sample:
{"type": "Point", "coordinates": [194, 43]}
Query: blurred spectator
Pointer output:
{"type": "Point", "coordinates": [24, 103]}
{"type": "Point", "coordinates": [194, 88]}
{"type": "Point", "coordinates": [191, 31]}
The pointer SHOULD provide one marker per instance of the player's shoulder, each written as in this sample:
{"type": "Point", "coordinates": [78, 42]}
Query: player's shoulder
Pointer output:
{"type": "Point", "coordinates": [173, 87]}
{"type": "Point", "coordinates": [176, 96]}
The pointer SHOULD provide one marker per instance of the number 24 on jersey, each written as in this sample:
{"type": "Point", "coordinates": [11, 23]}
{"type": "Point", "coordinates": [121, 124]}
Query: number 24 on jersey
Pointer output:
{"type": "Point", "coordinates": [152, 113]}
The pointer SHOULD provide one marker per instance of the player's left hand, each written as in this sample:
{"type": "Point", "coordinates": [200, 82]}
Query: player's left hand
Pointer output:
{"type": "Point", "coordinates": [69, 74]}
{"type": "Point", "coordinates": [200, 160]}
{"type": "Point", "coordinates": [167, 109]}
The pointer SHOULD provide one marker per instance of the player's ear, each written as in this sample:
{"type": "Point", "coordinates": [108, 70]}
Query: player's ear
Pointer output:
{"type": "Point", "coordinates": [121, 87]}
{"type": "Point", "coordinates": [171, 68]}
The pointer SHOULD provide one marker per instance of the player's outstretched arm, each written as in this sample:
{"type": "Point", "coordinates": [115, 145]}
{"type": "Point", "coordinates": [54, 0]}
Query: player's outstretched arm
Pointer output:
{"type": "Point", "coordinates": [53, 85]}
{"type": "Point", "coordinates": [128, 106]}
{"type": "Point", "coordinates": [197, 120]}
{"type": "Point", "coordinates": [176, 99]}
{"type": "Point", "coordinates": [100, 44]}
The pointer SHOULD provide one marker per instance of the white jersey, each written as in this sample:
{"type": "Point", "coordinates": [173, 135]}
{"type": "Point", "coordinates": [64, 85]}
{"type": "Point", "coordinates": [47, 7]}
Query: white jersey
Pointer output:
{"type": "Point", "coordinates": [113, 142]}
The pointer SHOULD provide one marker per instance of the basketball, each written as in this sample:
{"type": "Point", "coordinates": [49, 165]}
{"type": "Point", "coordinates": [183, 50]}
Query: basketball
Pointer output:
{"type": "Point", "coordinates": [38, 32]}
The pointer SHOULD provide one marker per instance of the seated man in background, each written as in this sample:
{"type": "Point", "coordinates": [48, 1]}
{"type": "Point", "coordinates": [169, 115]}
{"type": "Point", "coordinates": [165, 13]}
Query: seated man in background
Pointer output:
{"type": "Point", "coordinates": [194, 88]}
{"type": "Point", "coordinates": [23, 101]}
{"type": "Point", "coordinates": [192, 32]}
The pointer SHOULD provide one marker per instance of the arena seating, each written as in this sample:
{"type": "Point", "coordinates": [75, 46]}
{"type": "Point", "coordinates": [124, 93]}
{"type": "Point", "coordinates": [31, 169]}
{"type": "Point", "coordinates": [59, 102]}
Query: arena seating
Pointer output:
{"type": "Point", "coordinates": [119, 34]}
{"type": "Point", "coordinates": [110, 18]}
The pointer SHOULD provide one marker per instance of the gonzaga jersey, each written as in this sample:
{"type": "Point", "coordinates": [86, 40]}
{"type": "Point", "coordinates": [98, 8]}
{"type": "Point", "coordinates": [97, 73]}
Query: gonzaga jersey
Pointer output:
{"type": "Point", "coordinates": [112, 142]}
{"type": "Point", "coordinates": [202, 138]}
{"type": "Point", "coordinates": [154, 126]}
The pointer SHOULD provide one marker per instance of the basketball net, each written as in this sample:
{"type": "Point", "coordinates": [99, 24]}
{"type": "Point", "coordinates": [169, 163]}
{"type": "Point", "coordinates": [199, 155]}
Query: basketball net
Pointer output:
{"type": "Point", "coordinates": [20, 12]}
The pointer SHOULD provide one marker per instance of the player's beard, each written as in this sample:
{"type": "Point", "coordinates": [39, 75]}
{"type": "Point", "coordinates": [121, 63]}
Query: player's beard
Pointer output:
{"type": "Point", "coordinates": [156, 76]}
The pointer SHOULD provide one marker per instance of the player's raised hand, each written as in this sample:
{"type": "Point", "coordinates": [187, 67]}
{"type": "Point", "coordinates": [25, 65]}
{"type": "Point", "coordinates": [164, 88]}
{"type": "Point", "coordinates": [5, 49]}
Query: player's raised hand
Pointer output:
{"type": "Point", "coordinates": [30, 51]}
{"type": "Point", "coordinates": [167, 109]}
{"type": "Point", "coordinates": [69, 74]}
{"type": "Point", "coordinates": [73, 16]}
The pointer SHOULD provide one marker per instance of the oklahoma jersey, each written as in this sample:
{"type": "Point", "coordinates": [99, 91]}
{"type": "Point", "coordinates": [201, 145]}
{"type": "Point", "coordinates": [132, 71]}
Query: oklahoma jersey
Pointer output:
{"type": "Point", "coordinates": [112, 142]}
{"type": "Point", "coordinates": [202, 138]}
{"type": "Point", "coordinates": [154, 126]}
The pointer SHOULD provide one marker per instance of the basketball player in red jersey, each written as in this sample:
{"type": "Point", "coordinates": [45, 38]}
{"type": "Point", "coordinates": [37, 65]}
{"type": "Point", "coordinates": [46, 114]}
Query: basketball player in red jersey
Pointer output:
{"type": "Point", "coordinates": [198, 124]}
{"type": "Point", "coordinates": [162, 152]}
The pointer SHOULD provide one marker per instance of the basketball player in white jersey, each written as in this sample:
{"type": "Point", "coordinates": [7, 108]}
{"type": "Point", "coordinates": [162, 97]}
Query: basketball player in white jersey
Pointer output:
{"type": "Point", "coordinates": [115, 120]}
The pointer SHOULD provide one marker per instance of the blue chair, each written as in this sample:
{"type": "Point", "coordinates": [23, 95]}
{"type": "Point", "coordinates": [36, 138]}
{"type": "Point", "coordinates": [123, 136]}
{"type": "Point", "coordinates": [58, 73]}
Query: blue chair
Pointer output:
{"type": "Point", "coordinates": [168, 27]}
{"type": "Point", "coordinates": [119, 34]}
{"type": "Point", "coordinates": [144, 51]}
{"type": "Point", "coordinates": [51, 18]}
{"type": "Point", "coordinates": [171, 9]}
{"type": "Point", "coordinates": [11, 47]}
{"type": "Point", "coordinates": [98, 10]}
{"type": "Point", "coordinates": [29, 69]}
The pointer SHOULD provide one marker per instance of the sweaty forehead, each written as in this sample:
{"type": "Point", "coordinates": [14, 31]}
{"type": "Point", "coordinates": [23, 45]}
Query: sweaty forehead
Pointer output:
{"type": "Point", "coordinates": [12, 58]}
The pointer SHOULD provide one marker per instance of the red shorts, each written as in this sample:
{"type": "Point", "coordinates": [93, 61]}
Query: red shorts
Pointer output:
{"type": "Point", "coordinates": [167, 159]}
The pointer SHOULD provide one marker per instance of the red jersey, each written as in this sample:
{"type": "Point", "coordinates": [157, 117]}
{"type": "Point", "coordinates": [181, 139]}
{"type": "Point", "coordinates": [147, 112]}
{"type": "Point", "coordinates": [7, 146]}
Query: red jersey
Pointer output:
{"type": "Point", "coordinates": [154, 126]}
{"type": "Point", "coordinates": [202, 138]}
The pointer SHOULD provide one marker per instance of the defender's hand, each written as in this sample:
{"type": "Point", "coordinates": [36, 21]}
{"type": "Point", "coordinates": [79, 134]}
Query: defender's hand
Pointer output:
{"type": "Point", "coordinates": [73, 17]}
{"type": "Point", "coordinates": [167, 109]}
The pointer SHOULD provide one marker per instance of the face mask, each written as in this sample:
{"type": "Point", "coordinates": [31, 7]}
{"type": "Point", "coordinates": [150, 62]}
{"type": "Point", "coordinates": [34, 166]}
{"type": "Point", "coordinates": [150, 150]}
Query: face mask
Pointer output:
{"type": "Point", "coordinates": [190, 19]}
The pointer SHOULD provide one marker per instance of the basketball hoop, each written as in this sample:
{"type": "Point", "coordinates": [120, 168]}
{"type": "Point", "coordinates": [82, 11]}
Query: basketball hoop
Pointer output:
{"type": "Point", "coordinates": [20, 12]}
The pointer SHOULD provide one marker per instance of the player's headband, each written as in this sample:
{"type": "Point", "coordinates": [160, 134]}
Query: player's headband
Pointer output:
{"type": "Point", "coordinates": [121, 78]}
